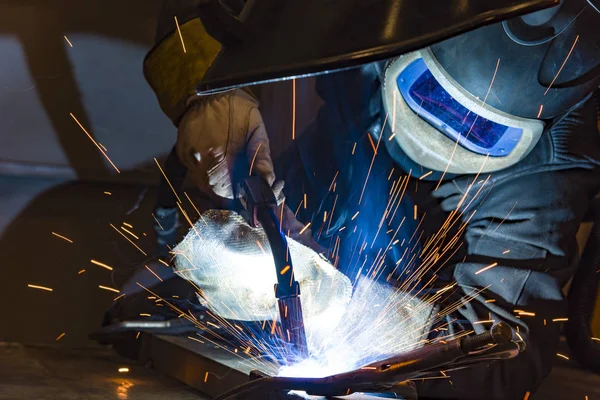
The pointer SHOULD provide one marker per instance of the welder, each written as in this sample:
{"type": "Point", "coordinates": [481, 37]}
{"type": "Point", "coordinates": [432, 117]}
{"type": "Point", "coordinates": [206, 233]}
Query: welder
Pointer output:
{"type": "Point", "coordinates": [505, 113]}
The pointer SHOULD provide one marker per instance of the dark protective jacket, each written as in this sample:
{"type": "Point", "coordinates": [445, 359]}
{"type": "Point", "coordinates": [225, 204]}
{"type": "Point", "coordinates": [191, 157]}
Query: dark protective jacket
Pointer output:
{"type": "Point", "coordinates": [521, 221]}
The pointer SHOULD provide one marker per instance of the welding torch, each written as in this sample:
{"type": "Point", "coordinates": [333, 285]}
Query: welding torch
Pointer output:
{"type": "Point", "coordinates": [382, 376]}
{"type": "Point", "coordinates": [260, 203]}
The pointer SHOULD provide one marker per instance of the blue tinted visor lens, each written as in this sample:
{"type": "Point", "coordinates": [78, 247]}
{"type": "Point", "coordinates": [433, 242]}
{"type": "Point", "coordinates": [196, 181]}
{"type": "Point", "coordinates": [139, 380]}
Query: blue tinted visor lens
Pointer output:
{"type": "Point", "coordinates": [428, 99]}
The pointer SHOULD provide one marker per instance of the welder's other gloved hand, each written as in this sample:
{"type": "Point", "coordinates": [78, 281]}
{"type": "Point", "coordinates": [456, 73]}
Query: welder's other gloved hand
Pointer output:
{"type": "Point", "coordinates": [219, 138]}
{"type": "Point", "coordinates": [165, 226]}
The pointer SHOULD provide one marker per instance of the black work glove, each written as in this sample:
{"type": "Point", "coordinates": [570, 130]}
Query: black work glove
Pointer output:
{"type": "Point", "coordinates": [165, 226]}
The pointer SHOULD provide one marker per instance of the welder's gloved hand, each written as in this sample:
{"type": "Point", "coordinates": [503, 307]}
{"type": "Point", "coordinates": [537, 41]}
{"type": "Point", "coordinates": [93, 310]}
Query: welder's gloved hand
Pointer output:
{"type": "Point", "coordinates": [232, 264]}
{"type": "Point", "coordinates": [165, 226]}
{"type": "Point", "coordinates": [219, 138]}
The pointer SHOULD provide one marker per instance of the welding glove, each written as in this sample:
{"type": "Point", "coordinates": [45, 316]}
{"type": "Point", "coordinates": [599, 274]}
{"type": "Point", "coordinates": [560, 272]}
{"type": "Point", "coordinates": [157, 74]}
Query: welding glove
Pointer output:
{"type": "Point", "coordinates": [231, 263]}
{"type": "Point", "coordinates": [220, 138]}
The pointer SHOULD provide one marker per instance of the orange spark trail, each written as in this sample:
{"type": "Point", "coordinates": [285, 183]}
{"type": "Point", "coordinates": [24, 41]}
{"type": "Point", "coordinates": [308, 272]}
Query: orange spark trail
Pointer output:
{"type": "Point", "coordinates": [98, 263]}
{"type": "Point", "coordinates": [486, 268]}
{"type": "Point", "coordinates": [563, 64]}
{"type": "Point", "coordinates": [131, 233]}
{"type": "Point", "coordinates": [62, 237]}
{"type": "Point", "coordinates": [95, 143]}
{"type": "Point", "coordinates": [129, 240]}
{"type": "Point", "coordinates": [60, 336]}
{"type": "Point", "coordinates": [425, 176]}
{"type": "Point", "coordinates": [254, 159]}
{"type": "Point", "coordinates": [167, 179]}
{"type": "Point", "coordinates": [153, 273]}
{"type": "Point", "coordinates": [180, 36]}
{"type": "Point", "coordinates": [40, 287]}
{"type": "Point", "coordinates": [108, 288]}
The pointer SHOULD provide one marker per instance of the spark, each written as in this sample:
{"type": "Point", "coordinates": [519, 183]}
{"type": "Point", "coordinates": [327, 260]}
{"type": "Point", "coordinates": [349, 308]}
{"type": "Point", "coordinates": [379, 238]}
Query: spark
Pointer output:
{"type": "Point", "coordinates": [526, 396]}
{"type": "Point", "coordinates": [153, 273]}
{"type": "Point", "coordinates": [304, 203]}
{"type": "Point", "coordinates": [95, 143]}
{"type": "Point", "coordinates": [285, 269]}
{"type": "Point", "coordinates": [215, 325]}
{"type": "Point", "coordinates": [109, 288]}
{"type": "Point", "coordinates": [153, 216]}
{"type": "Point", "coordinates": [68, 41]}
{"type": "Point", "coordinates": [526, 314]}
{"type": "Point", "coordinates": [489, 321]}
{"type": "Point", "coordinates": [40, 287]}
{"type": "Point", "coordinates": [103, 147]}
{"type": "Point", "coordinates": [293, 109]}
{"type": "Point", "coordinates": [372, 161]}
{"type": "Point", "coordinates": [560, 319]}
{"type": "Point", "coordinates": [98, 263]}
{"type": "Point", "coordinates": [596, 339]}
{"type": "Point", "coordinates": [180, 36]}
{"type": "Point", "coordinates": [501, 222]}
{"type": "Point", "coordinates": [81, 272]}
{"type": "Point", "coordinates": [491, 301]}
{"type": "Point", "coordinates": [168, 181]}
{"type": "Point", "coordinates": [426, 175]}
{"type": "Point", "coordinates": [506, 252]}
{"type": "Point", "coordinates": [129, 240]}
{"type": "Point", "coordinates": [354, 148]}
{"type": "Point", "coordinates": [60, 336]}
{"type": "Point", "coordinates": [562, 356]}
{"type": "Point", "coordinates": [354, 216]}
{"type": "Point", "coordinates": [145, 315]}
{"type": "Point", "coordinates": [197, 340]}
{"type": "Point", "coordinates": [163, 262]}
{"type": "Point", "coordinates": [128, 225]}
{"type": "Point", "coordinates": [108, 193]}
{"type": "Point", "coordinates": [119, 296]}
{"type": "Point", "coordinates": [123, 369]}
{"type": "Point", "coordinates": [563, 64]}
{"type": "Point", "coordinates": [260, 246]}
{"type": "Point", "coordinates": [540, 112]}
{"type": "Point", "coordinates": [415, 212]}
{"type": "Point", "coordinates": [205, 377]}
{"type": "Point", "coordinates": [304, 229]}
{"type": "Point", "coordinates": [486, 268]}
{"type": "Point", "coordinates": [62, 237]}
{"type": "Point", "coordinates": [372, 143]}
{"type": "Point", "coordinates": [254, 159]}
{"type": "Point", "coordinates": [131, 233]}
{"type": "Point", "coordinates": [193, 205]}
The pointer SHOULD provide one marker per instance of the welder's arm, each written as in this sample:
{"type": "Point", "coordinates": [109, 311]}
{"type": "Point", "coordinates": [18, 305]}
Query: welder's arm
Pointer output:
{"type": "Point", "coordinates": [527, 224]}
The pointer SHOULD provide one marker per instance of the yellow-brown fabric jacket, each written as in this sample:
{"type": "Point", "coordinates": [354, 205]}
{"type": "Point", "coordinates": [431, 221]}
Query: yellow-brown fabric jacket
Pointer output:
{"type": "Point", "coordinates": [175, 65]}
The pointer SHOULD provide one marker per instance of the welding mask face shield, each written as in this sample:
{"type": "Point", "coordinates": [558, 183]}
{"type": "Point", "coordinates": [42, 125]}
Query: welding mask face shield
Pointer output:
{"type": "Point", "coordinates": [476, 102]}
{"type": "Point", "coordinates": [442, 127]}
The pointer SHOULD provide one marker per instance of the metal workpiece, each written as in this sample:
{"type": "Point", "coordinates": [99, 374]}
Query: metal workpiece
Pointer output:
{"type": "Point", "coordinates": [382, 376]}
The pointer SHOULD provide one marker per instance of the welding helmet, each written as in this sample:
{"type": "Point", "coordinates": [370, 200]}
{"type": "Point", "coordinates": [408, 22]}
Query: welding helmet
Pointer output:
{"type": "Point", "coordinates": [480, 101]}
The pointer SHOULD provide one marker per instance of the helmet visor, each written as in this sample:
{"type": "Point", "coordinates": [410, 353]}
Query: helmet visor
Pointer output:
{"type": "Point", "coordinates": [430, 101]}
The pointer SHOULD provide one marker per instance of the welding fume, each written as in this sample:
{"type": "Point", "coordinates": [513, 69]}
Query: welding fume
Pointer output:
{"type": "Point", "coordinates": [436, 193]}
